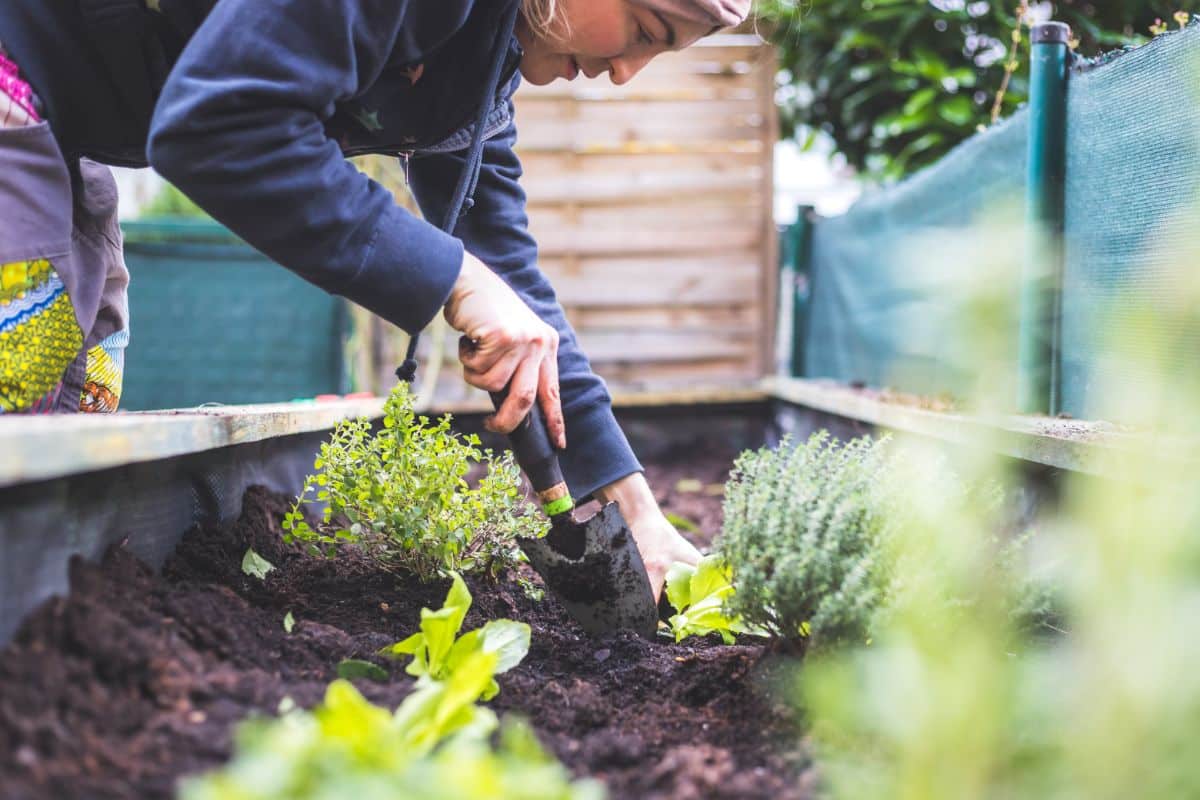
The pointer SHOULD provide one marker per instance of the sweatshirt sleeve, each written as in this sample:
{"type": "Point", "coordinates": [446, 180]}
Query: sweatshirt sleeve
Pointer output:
{"type": "Point", "coordinates": [496, 231]}
{"type": "Point", "coordinates": [239, 129]}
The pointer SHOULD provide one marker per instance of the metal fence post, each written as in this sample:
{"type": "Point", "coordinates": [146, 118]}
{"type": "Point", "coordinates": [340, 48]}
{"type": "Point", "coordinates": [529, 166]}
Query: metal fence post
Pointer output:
{"type": "Point", "coordinates": [796, 283]}
{"type": "Point", "coordinates": [1041, 275]}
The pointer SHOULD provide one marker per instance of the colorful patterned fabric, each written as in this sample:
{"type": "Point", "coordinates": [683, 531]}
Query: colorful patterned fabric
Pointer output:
{"type": "Point", "coordinates": [17, 101]}
{"type": "Point", "coordinates": [105, 370]}
{"type": "Point", "coordinates": [39, 336]}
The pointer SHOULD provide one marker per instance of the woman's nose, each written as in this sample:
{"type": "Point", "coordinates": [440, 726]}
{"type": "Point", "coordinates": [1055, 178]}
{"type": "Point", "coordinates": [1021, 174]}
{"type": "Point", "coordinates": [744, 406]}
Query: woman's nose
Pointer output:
{"type": "Point", "coordinates": [622, 70]}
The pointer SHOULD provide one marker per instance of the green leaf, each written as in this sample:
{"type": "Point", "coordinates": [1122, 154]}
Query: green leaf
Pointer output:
{"type": "Point", "coordinates": [438, 656]}
{"type": "Point", "coordinates": [682, 523]}
{"type": "Point", "coordinates": [919, 101]}
{"type": "Point", "coordinates": [699, 595]}
{"type": "Point", "coordinates": [289, 622]}
{"type": "Point", "coordinates": [679, 585]}
{"type": "Point", "coordinates": [440, 708]}
{"type": "Point", "coordinates": [509, 641]}
{"type": "Point", "coordinates": [957, 110]}
{"type": "Point", "coordinates": [402, 490]}
{"type": "Point", "coordinates": [711, 579]}
{"type": "Point", "coordinates": [440, 627]}
{"type": "Point", "coordinates": [351, 668]}
{"type": "Point", "coordinates": [255, 565]}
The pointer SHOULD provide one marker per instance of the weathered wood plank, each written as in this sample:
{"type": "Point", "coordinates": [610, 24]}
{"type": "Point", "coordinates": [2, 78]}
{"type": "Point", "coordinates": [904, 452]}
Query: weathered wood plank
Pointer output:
{"type": "Point", "coordinates": [43, 447]}
{"type": "Point", "coordinates": [1092, 447]}
{"type": "Point", "coordinates": [594, 242]}
{"type": "Point", "coordinates": [668, 281]}
{"type": "Point", "coordinates": [638, 187]}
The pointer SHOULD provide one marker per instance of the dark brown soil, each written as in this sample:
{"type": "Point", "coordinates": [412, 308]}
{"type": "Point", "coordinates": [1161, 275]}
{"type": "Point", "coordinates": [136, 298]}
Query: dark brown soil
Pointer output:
{"type": "Point", "coordinates": [136, 679]}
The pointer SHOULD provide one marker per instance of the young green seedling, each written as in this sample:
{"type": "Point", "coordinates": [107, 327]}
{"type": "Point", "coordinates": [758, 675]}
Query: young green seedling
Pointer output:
{"type": "Point", "coordinates": [699, 594]}
{"type": "Point", "coordinates": [437, 655]}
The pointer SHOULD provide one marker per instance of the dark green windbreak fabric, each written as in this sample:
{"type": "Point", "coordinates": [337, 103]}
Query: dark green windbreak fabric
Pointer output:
{"type": "Point", "coordinates": [884, 310]}
{"type": "Point", "coordinates": [1133, 170]}
{"type": "Point", "coordinates": [213, 321]}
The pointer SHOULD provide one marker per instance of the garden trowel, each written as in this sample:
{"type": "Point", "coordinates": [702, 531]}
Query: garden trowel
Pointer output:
{"type": "Point", "coordinates": [593, 566]}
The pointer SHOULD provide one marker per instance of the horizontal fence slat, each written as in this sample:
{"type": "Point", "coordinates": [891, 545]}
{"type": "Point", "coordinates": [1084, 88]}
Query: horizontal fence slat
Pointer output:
{"type": "Point", "coordinates": [584, 241]}
{"type": "Point", "coordinates": [709, 280]}
{"type": "Point", "coordinates": [539, 165]}
{"type": "Point", "coordinates": [734, 320]}
{"type": "Point", "coordinates": [609, 189]}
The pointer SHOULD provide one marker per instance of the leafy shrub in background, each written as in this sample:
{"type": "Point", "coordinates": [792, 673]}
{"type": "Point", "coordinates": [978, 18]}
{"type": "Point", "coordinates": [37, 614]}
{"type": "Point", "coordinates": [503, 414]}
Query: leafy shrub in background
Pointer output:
{"type": "Point", "coordinates": [403, 496]}
{"type": "Point", "coordinates": [437, 746]}
{"type": "Point", "coordinates": [170, 202]}
{"type": "Point", "coordinates": [897, 83]}
{"type": "Point", "coordinates": [804, 531]}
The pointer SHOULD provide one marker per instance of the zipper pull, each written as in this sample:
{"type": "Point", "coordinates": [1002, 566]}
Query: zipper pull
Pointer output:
{"type": "Point", "coordinates": [405, 157]}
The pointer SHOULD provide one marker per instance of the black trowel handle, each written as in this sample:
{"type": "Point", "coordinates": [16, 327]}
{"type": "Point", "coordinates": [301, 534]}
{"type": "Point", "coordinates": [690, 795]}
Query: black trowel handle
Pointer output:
{"type": "Point", "coordinates": [531, 444]}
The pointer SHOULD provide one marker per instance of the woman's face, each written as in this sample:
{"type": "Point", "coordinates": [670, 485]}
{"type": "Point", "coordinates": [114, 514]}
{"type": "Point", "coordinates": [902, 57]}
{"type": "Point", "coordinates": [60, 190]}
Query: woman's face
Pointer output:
{"type": "Point", "coordinates": [592, 37]}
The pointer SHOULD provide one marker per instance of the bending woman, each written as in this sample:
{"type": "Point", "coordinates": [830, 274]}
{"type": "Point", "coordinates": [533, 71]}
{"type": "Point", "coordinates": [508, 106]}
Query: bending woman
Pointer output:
{"type": "Point", "coordinates": [250, 108]}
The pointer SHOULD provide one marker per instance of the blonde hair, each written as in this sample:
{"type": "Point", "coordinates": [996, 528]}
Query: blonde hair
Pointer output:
{"type": "Point", "coordinates": [539, 14]}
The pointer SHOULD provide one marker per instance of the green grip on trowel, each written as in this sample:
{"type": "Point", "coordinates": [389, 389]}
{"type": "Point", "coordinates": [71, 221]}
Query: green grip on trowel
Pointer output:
{"type": "Point", "coordinates": [560, 506]}
{"type": "Point", "coordinates": [536, 455]}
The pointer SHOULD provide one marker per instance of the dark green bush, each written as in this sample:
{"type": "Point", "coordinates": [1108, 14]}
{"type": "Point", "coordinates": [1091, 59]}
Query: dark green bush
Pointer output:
{"type": "Point", "coordinates": [898, 83]}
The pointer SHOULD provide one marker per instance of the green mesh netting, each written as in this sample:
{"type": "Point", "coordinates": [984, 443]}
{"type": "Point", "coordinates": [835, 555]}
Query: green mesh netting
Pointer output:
{"type": "Point", "coordinates": [882, 300]}
{"type": "Point", "coordinates": [1133, 137]}
{"type": "Point", "coordinates": [211, 320]}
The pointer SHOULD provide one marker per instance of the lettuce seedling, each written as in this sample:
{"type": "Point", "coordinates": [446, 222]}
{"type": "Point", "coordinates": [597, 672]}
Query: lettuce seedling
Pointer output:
{"type": "Point", "coordinates": [699, 594]}
{"type": "Point", "coordinates": [255, 565]}
{"type": "Point", "coordinates": [437, 655]}
{"type": "Point", "coordinates": [439, 745]}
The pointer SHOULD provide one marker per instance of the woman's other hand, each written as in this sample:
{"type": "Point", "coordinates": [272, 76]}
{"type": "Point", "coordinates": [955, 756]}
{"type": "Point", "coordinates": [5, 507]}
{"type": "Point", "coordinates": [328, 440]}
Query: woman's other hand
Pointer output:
{"type": "Point", "coordinates": [659, 543]}
{"type": "Point", "coordinates": [505, 344]}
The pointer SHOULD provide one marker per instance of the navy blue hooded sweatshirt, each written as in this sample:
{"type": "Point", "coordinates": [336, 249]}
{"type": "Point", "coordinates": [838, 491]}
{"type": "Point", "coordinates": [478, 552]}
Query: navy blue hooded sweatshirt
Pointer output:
{"type": "Point", "coordinates": [250, 107]}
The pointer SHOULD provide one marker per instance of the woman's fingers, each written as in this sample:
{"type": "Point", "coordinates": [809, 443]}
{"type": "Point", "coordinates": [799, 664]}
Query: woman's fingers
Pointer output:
{"type": "Point", "coordinates": [550, 400]}
{"type": "Point", "coordinates": [496, 375]}
{"type": "Point", "coordinates": [505, 346]}
{"type": "Point", "coordinates": [522, 394]}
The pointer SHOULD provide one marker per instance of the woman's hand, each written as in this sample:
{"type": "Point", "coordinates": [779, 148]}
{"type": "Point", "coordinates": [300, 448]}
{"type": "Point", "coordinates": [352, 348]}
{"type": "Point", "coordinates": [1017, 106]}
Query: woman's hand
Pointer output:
{"type": "Point", "coordinates": [659, 543]}
{"type": "Point", "coordinates": [505, 344]}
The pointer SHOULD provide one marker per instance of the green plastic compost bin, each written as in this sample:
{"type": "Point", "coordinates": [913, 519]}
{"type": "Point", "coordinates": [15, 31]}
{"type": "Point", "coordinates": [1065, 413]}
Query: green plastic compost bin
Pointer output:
{"type": "Point", "coordinates": [214, 321]}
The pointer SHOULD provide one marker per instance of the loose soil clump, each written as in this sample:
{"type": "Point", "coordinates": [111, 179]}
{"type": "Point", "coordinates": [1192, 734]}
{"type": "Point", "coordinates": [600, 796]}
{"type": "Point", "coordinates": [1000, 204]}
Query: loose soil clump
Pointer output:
{"type": "Point", "coordinates": [136, 679]}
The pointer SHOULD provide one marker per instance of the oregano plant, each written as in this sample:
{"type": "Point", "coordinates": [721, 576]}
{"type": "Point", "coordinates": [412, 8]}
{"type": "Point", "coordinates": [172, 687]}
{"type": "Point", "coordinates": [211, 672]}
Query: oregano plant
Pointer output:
{"type": "Point", "coordinates": [401, 494]}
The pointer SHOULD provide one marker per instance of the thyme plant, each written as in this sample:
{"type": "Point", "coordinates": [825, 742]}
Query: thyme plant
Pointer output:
{"type": "Point", "coordinates": [804, 531]}
{"type": "Point", "coordinates": [401, 494]}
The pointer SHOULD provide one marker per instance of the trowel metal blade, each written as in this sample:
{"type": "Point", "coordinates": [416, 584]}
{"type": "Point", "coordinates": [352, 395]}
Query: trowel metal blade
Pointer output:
{"type": "Point", "coordinates": [596, 571]}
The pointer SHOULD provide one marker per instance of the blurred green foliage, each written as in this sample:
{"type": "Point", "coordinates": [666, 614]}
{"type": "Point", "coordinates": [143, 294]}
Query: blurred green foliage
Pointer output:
{"type": "Point", "coordinates": [170, 202]}
{"type": "Point", "coordinates": [951, 701]}
{"type": "Point", "coordinates": [438, 745]}
{"type": "Point", "coordinates": [897, 83]}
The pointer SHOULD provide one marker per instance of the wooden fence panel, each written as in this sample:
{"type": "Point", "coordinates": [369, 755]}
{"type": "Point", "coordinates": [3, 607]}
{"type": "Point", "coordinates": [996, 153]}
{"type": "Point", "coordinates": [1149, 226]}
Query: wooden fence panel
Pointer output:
{"type": "Point", "coordinates": [652, 203]}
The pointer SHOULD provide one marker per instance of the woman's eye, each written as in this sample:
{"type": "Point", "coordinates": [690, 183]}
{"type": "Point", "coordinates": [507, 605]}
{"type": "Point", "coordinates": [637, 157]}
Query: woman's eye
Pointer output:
{"type": "Point", "coordinates": [644, 37]}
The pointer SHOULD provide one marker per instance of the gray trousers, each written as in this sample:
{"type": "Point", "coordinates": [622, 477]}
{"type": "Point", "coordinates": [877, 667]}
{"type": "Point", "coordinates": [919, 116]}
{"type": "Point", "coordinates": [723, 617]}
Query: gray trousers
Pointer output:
{"type": "Point", "coordinates": [64, 311]}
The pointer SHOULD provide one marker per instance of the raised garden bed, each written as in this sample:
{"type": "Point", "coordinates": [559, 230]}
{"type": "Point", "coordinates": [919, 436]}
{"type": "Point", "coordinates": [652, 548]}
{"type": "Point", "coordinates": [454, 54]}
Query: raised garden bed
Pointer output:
{"type": "Point", "coordinates": [136, 679]}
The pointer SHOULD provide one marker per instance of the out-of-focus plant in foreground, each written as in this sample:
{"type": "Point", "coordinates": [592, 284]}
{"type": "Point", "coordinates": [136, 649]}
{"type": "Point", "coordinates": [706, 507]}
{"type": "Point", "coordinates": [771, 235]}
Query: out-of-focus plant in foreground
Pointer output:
{"type": "Point", "coordinates": [437, 746]}
{"type": "Point", "coordinates": [953, 701]}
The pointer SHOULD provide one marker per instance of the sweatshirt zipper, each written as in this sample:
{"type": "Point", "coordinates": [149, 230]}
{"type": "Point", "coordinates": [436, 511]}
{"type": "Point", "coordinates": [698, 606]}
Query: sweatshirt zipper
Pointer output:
{"type": "Point", "coordinates": [406, 160]}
